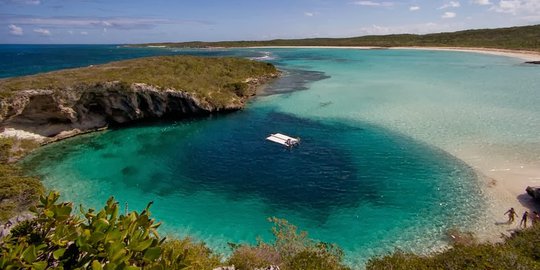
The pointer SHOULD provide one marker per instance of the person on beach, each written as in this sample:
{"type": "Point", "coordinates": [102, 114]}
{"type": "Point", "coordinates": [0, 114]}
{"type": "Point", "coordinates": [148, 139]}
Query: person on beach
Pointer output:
{"type": "Point", "coordinates": [511, 215]}
{"type": "Point", "coordinates": [523, 222]}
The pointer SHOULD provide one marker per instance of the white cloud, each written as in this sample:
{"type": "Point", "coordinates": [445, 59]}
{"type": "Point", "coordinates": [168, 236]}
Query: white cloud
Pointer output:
{"type": "Point", "coordinates": [482, 2]}
{"type": "Point", "coordinates": [83, 23]}
{"type": "Point", "coordinates": [522, 8]}
{"type": "Point", "coordinates": [15, 30]}
{"type": "Point", "coordinates": [422, 28]}
{"type": "Point", "coordinates": [84, 33]}
{"type": "Point", "coordinates": [23, 2]}
{"type": "Point", "coordinates": [374, 4]}
{"type": "Point", "coordinates": [310, 14]}
{"type": "Point", "coordinates": [43, 31]}
{"type": "Point", "coordinates": [414, 8]}
{"type": "Point", "coordinates": [451, 4]}
{"type": "Point", "coordinates": [449, 15]}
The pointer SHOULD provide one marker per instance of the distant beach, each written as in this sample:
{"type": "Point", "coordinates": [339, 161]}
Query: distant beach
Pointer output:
{"type": "Point", "coordinates": [525, 55]}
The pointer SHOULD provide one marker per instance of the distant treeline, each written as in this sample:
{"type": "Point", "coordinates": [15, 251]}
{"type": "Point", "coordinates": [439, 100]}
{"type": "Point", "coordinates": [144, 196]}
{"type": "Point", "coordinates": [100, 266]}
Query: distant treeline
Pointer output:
{"type": "Point", "coordinates": [515, 38]}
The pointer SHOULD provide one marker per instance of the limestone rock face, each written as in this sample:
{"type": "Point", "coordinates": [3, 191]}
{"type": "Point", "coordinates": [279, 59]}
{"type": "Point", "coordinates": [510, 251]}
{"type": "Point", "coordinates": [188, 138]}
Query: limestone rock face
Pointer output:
{"type": "Point", "coordinates": [50, 113]}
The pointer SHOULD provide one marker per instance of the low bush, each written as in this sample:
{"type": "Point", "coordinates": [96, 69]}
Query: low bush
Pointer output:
{"type": "Point", "coordinates": [290, 250]}
{"type": "Point", "coordinates": [58, 239]}
{"type": "Point", "coordinates": [519, 251]}
{"type": "Point", "coordinates": [17, 191]}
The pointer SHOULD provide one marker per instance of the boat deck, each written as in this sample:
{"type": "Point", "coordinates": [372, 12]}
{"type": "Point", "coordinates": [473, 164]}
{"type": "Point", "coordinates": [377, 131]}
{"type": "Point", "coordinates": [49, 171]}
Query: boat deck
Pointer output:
{"type": "Point", "coordinates": [283, 139]}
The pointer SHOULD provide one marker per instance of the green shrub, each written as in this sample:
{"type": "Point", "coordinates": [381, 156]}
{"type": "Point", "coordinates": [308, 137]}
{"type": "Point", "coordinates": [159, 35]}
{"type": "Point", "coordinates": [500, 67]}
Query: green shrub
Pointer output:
{"type": "Point", "coordinates": [241, 89]}
{"type": "Point", "coordinates": [17, 191]}
{"type": "Point", "coordinates": [291, 250]}
{"type": "Point", "coordinates": [188, 254]}
{"type": "Point", "coordinates": [57, 239]}
{"type": "Point", "coordinates": [250, 257]}
{"type": "Point", "coordinates": [322, 256]}
{"type": "Point", "coordinates": [519, 251]}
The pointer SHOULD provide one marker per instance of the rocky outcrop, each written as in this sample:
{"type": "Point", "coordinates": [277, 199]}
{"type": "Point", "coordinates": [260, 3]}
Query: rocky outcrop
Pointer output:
{"type": "Point", "coordinates": [533, 192]}
{"type": "Point", "coordinates": [533, 62]}
{"type": "Point", "coordinates": [64, 113]}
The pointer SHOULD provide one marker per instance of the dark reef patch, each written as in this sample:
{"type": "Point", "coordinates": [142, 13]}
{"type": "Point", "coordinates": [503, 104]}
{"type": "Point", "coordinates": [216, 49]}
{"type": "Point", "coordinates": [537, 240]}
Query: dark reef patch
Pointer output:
{"type": "Point", "coordinates": [129, 171]}
{"type": "Point", "coordinates": [294, 80]}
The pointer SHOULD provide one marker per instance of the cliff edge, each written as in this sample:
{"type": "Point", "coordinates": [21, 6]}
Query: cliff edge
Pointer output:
{"type": "Point", "coordinates": [65, 103]}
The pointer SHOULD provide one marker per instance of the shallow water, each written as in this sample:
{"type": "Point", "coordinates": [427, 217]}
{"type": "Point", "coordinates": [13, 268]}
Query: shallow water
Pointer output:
{"type": "Point", "coordinates": [372, 172]}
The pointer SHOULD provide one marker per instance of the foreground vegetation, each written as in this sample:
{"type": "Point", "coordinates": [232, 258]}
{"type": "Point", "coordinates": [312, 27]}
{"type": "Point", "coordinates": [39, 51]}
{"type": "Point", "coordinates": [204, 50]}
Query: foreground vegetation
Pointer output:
{"type": "Point", "coordinates": [215, 79]}
{"type": "Point", "coordinates": [59, 239]}
{"type": "Point", "coordinates": [519, 251]}
{"type": "Point", "coordinates": [17, 191]}
{"type": "Point", "coordinates": [515, 38]}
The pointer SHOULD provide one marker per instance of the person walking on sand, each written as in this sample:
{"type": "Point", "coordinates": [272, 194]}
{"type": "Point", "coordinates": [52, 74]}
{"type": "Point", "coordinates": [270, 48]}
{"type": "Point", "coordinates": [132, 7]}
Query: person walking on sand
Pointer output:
{"type": "Point", "coordinates": [523, 222]}
{"type": "Point", "coordinates": [511, 215]}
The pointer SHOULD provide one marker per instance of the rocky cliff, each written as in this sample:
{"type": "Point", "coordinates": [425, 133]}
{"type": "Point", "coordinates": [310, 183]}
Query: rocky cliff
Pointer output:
{"type": "Point", "coordinates": [67, 102]}
{"type": "Point", "coordinates": [54, 113]}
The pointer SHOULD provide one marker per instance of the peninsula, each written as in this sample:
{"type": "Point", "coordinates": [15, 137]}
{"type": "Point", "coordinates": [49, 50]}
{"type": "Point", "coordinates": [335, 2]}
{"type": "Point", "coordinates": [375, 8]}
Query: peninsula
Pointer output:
{"type": "Point", "coordinates": [68, 102]}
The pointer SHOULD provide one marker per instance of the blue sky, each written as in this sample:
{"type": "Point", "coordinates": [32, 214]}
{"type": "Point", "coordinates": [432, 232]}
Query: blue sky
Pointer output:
{"type": "Point", "coordinates": [137, 21]}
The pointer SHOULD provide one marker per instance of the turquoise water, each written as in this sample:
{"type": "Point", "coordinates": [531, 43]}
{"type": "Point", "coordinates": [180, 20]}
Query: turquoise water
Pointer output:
{"type": "Point", "coordinates": [373, 172]}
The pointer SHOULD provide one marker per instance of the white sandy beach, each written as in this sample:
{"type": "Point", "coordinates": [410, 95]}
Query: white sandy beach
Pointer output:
{"type": "Point", "coordinates": [524, 55]}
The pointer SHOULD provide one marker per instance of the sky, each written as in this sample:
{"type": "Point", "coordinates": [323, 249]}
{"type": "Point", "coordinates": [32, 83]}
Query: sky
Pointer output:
{"type": "Point", "coordinates": [140, 21]}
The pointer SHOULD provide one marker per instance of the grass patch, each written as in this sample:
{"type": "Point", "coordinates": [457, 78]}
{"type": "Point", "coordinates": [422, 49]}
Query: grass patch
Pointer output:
{"type": "Point", "coordinates": [207, 78]}
{"type": "Point", "coordinates": [519, 251]}
{"type": "Point", "coordinates": [17, 191]}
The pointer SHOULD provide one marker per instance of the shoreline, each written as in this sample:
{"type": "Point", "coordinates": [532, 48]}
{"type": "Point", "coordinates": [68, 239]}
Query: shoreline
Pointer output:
{"type": "Point", "coordinates": [524, 55]}
{"type": "Point", "coordinates": [503, 180]}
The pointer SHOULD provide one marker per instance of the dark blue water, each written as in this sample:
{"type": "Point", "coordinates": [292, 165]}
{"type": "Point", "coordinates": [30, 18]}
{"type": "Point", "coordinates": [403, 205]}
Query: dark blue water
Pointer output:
{"type": "Point", "coordinates": [18, 60]}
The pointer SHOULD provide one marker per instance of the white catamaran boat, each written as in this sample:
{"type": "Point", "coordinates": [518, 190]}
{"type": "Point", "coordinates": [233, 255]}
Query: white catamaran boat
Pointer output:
{"type": "Point", "coordinates": [283, 139]}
